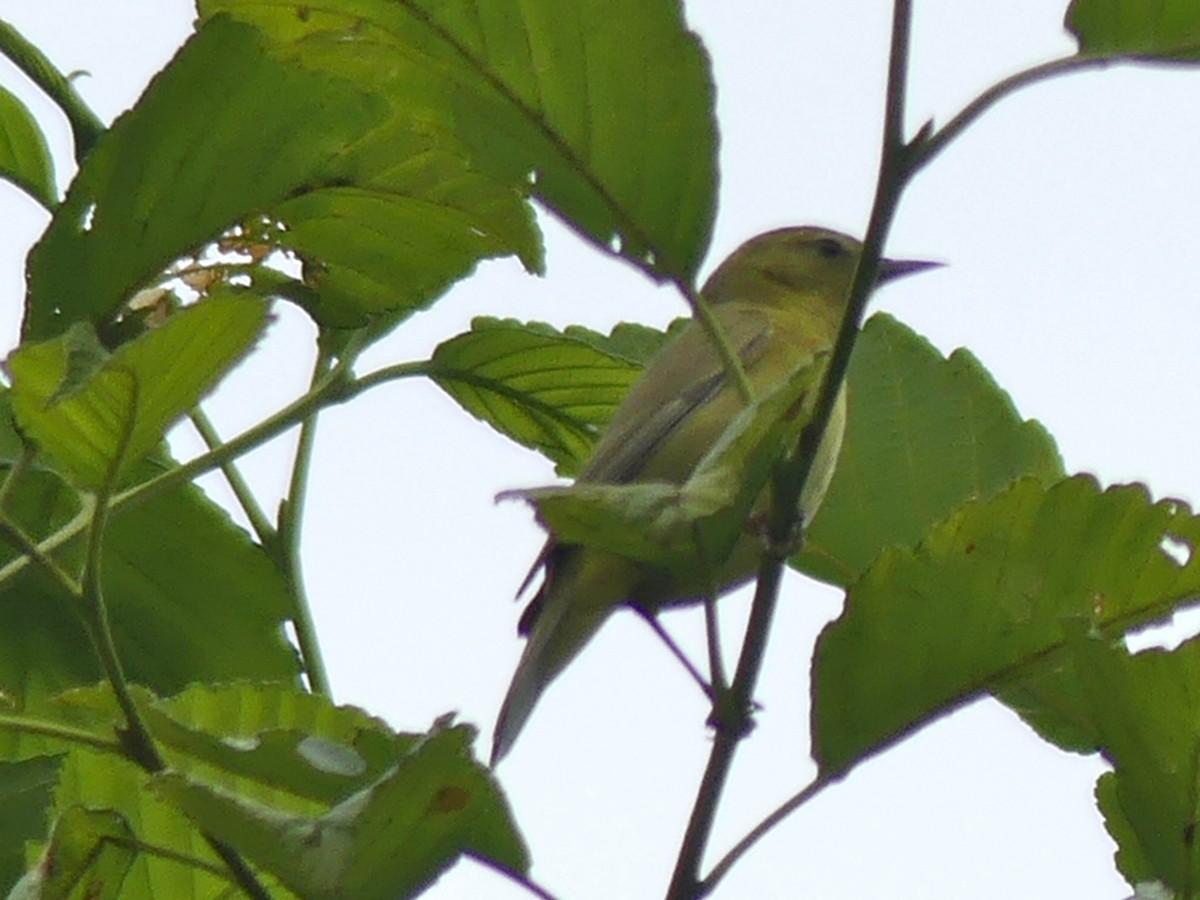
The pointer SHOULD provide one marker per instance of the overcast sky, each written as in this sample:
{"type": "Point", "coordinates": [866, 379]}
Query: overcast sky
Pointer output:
{"type": "Point", "coordinates": [1068, 219]}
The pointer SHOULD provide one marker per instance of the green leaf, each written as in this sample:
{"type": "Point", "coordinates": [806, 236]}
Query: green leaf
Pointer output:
{"type": "Point", "coordinates": [1145, 29]}
{"type": "Point", "coordinates": [384, 251]}
{"type": "Point", "coordinates": [275, 743]}
{"type": "Point", "coordinates": [98, 419]}
{"type": "Point", "coordinates": [92, 780]}
{"type": "Point", "coordinates": [318, 793]}
{"type": "Point", "coordinates": [26, 787]}
{"type": "Point", "coordinates": [601, 109]}
{"type": "Point", "coordinates": [383, 211]}
{"type": "Point", "coordinates": [24, 156]}
{"type": "Point", "coordinates": [547, 390]}
{"type": "Point", "coordinates": [1146, 710]}
{"type": "Point", "coordinates": [390, 839]}
{"type": "Point", "coordinates": [270, 743]}
{"type": "Point", "coordinates": [982, 605]}
{"type": "Point", "coordinates": [89, 855]}
{"type": "Point", "coordinates": [177, 616]}
{"type": "Point", "coordinates": [1131, 859]}
{"type": "Point", "coordinates": [923, 435]}
{"type": "Point", "coordinates": [183, 166]}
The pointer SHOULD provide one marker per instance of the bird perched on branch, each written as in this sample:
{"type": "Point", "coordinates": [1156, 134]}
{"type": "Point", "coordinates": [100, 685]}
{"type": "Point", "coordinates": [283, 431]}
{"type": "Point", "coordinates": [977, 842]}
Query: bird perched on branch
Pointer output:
{"type": "Point", "coordinates": [779, 300]}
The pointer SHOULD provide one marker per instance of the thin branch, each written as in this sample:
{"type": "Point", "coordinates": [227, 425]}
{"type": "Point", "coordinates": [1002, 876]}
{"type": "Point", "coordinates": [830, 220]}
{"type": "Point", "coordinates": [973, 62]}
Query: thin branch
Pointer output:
{"type": "Point", "coordinates": [733, 364]}
{"type": "Point", "coordinates": [86, 126]}
{"type": "Point", "coordinates": [333, 389]}
{"type": "Point", "coordinates": [259, 521]}
{"type": "Point", "coordinates": [40, 551]}
{"type": "Point", "coordinates": [663, 635]}
{"type": "Point", "coordinates": [68, 734]}
{"type": "Point", "coordinates": [135, 737]}
{"type": "Point", "coordinates": [390, 373]}
{"type": "Point", "coordinates": [733, 713]}
{"type": "Point", "coordinates": [900, 161]}
{"type": "Point", "coordinates": [32, 551]}
{"type": "Point", "coordinates": [712, 638]}
{"type": "Point", "coordinates": [926, 150]}
{"type": "Point", "coordinates": [288, 547]}
{"type": "Point", "coordinates": [184, 859]}
{"type": "Point", "coordinates": [337, 387]}
{"type": "Point", "coordinates": [16, 472]}
{"type": "Point", "coordinates": [785, 809]}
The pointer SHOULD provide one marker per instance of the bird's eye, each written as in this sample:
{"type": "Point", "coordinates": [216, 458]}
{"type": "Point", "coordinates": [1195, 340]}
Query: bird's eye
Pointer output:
{"type": "Point", "coordinates": [828, 248]}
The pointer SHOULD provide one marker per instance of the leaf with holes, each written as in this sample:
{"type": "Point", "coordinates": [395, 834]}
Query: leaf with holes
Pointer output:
{"type": "Point", "coordinates": [603, 110]}
{"type": "Point", "coordinates": [390, 839]}
{"type": "Point", "coordinates": [384, 210]}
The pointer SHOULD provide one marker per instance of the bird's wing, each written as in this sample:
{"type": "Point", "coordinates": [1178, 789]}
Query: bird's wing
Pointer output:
{"type": "Point", "coordinates": [679, 381]}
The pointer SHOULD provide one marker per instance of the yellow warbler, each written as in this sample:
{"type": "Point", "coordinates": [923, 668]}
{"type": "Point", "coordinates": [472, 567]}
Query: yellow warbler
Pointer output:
{"type": "Point", "coordinates": [779, 299]}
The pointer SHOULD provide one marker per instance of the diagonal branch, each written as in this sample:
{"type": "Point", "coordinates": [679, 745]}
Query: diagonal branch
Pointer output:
{"type": "Point", "coordinates": [790, 476]}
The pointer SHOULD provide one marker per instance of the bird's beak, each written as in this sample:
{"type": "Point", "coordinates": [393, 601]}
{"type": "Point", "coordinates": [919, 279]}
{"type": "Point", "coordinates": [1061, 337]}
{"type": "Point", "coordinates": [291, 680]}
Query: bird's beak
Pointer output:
{"type": "Point", "coordinates": [891, 269]}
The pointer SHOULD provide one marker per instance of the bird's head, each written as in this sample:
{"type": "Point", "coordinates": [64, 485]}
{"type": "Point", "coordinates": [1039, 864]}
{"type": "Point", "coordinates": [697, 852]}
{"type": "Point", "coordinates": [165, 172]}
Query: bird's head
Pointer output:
{"type": "Point", "coordinates": [790, 263]}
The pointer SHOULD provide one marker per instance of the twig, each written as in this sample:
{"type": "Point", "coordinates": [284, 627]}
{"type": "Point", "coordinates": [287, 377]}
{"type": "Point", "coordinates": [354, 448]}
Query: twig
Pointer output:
{"type": "Point", "coordinates": [337, 387]}
{"type": "Point", "coordinates": [135, 737]}
{"type": "Point", "coordinates": [287, 548]}
{"type": "Point", "coordinates": [85, 124]}
{"type": "Point", "coordinates": [68, 734]}
{"type": "Point", "coordinates": [785, 809]}
{"type": "Point", "coordinates": [663, 635]}
{"type": "Point", "coordinates": [733, 364]}
{"type": "Point", "coordinates": [15, 472]}
{"type": "Point", "coordinates": [528, 883]}
{"type": "Point", "coordinates": [241, 490]}
{"type": "Point", "coordinates": [789, 480]}
{"type": "Point", "coordinates": [929, 148]}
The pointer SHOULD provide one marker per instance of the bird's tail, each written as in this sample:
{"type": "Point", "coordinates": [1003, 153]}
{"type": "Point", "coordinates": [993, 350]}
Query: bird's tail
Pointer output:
{"type": "Point", "coordinates": [584, 592]}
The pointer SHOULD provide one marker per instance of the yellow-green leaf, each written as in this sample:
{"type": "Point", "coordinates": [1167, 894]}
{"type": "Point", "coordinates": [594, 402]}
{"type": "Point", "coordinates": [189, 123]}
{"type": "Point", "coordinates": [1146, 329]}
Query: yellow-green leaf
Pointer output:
{"type": "Point", "coordinates": [983, 604]}
{"type": "Point", "coordinates": [24, 157]}
{"type": "Point", "coordinates": [99, 424]}
{"type": "Point", "coordinates": [603, 109]}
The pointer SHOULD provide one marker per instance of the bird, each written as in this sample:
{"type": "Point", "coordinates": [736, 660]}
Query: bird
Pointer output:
{"type": "Point", "coordinates": [779, 298]}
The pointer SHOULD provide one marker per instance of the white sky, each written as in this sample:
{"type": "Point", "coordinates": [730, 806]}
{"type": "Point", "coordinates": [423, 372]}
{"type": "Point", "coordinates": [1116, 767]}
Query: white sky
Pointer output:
{"type": "Point", "coordinates": [1068, 218]}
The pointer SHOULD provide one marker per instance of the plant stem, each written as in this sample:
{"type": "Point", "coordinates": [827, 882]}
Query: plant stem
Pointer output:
{"type": "Point", "coordinates": [56, 730]}
{"type": "Point", "coordinates": [184, 859]}
{"type": "Point", "coordinates": [135, 737]}
{"type": "Point", "coordinates": [530, 885]}
{"type": "Point", "coordinates": [336, 387]}
{"type": "Point", "coordinates": [929, 148]}
{"type": "Point", "coordinates": [287, 548]}
{"type": "Point", "coordinates": [241, 490]}
{"type": "Point", "coordinates": [785, 809]}
{"type": "Point", "coordinates": [733, 363]}
{"type": "Point", "coordinates": [85, 124]}
{"type": "Point", "coordinates": [34, 552]}
{"type": "Point", "coordinates": [733, 713]}
{"type": "Point", "coordinates": [16, 471]}
{"type": "Point", "coordinates": [900, 161]}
